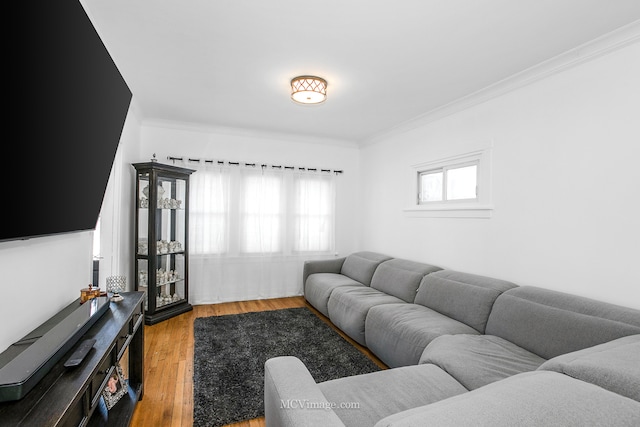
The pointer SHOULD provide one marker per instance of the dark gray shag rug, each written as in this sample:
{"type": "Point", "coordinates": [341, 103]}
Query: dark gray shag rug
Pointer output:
{"type": "Point", "coordinates": [230, 352]}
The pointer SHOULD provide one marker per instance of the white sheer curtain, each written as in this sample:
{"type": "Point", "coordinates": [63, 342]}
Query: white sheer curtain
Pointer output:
{"type": "Point", "coordinates": [314, 213]}
{"type": "Point", "coordinates": [262, 211]}
{"type": "Point", "coordinates": [251, 228]}
{"type": "Point", "coordinates": [209, 211]}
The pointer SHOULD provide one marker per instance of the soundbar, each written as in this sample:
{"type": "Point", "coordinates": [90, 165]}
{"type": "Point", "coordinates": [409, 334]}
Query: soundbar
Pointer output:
{"type": "Point", "coordinates": [27, 361]}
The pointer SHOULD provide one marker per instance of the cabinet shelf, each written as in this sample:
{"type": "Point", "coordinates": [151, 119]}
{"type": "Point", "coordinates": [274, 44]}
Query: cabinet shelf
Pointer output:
{"type": "Point", "coordinates": [164, 254]}
{"type": "Point", "coordinates": [172, 282]}
{"type": "Point", "coordinates": [161, 226]}
{"type": "Point", "coordinates": [171, 304]}
{"type": "Point", "coordinates": [146, 256]}
{"type": "Point", "coordinates": [162, 209]}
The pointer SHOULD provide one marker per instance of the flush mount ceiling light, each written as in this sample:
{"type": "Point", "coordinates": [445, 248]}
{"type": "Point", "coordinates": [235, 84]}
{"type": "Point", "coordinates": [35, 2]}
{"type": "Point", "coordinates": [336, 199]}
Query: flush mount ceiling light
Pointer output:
{"type": "Point", "coordinates": [308, 89]}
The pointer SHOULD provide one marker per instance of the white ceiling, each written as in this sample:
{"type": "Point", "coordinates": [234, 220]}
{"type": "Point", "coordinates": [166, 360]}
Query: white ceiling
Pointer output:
{"type": "Point", "coordinates": [228, 63]}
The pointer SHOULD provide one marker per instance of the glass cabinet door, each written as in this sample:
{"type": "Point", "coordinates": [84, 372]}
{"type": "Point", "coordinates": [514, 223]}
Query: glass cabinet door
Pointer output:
{"type": "Point", "coordinates": [171, 237]}
{"type": "Point", "coordinates": [162, 239]}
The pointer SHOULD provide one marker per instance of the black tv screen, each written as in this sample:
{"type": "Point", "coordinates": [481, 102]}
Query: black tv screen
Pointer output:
{"type": "Point", "coordinates": [69, 107]}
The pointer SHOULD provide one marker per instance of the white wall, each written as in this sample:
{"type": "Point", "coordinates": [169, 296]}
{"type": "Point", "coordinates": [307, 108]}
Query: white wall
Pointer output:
{"type": "Point", "coordinates": [566, 185]}
{"type": "Point", "coordinates": [41, 276]}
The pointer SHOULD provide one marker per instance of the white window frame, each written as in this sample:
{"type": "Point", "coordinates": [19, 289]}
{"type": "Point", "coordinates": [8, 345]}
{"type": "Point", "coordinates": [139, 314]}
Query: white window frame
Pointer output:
{"type": "Point", "coordinates": [479, 207]}
{"type": "Point", "coordinates": [445, 171]}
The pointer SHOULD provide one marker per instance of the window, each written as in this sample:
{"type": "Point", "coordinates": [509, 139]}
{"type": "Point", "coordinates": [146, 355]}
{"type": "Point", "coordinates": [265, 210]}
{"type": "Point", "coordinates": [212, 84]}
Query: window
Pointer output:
{"type": "Point", "coordinates": [242, 211]}
{"type": "Point", "coordinates": [313, 214]}
{"type": "Point", "coordinates": [208, 212]}
{"type": "Point", "coordinates": [261, 214]}
{"type": "Point", "coordinates": [455, 186]}
{"type": "Point", "coordinates": [459, 182]}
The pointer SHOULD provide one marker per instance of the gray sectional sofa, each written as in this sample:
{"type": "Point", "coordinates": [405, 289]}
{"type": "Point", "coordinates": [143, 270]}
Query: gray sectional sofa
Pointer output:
{"type": "Point", "coordinates": [463, 350]}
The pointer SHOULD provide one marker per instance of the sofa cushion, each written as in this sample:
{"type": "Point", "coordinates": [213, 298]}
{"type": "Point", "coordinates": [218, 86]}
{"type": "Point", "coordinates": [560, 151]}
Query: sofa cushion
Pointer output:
{"type": "Point", "coordinates": [319, 287]}
{"type": "Point", "coordinates": [398, 333]}
{"type": "Point", "coordinates": [400, 277]}
{"type": "Point", "coordinates": [549, 323]}
{"type": "Point", "coordinates": [465, 297]}
{"type": "Point", "coordinates": [383, 393]}
{"type": "Point", "coordinates": [538, 398]}
{"type": "Point", "coordinates": [614, 365]}
{"type": "Point", "coordinates": [348, 307]}
{"type": "Point", "coordinates": [360, 266]}
{"type": "Point", "coordinates": [477, 360]}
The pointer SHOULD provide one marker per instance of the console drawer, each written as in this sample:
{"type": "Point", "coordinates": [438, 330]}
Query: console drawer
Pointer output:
{"type": "Point", "coordinates": [123, 336]}
{"type": "Point", "coordinates": [137, 313]}
{"type": "Point", "coordinates": [76, 414]}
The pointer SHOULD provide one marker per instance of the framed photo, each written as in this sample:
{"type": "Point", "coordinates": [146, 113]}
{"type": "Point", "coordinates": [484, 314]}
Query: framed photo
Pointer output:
{"type": "Point", "coordinates": [116, 387]}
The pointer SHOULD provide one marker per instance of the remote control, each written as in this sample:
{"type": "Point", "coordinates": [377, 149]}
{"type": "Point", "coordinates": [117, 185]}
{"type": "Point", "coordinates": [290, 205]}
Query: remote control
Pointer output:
{"type": "Point", "coordinates": [78, 355]}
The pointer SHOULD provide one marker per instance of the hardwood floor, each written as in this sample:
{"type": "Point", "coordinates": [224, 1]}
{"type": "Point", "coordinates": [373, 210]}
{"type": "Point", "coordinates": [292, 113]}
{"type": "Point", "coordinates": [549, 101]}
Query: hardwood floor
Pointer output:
{"type": "Point", "coordinates": [168, 364]}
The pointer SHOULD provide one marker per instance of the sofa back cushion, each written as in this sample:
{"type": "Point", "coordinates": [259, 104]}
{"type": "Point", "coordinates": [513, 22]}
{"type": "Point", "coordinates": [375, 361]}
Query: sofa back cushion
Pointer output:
{"type": "Point", "coordinates": [614, 365]}
{"type": "Point", "coordinates": [360, 266]}
{"type": "Point", "coordinates": [465, 297]}
{"type": "Point", "coordinates": [400, 277]}
{"type": "Point", "coordinates": [550, 323]}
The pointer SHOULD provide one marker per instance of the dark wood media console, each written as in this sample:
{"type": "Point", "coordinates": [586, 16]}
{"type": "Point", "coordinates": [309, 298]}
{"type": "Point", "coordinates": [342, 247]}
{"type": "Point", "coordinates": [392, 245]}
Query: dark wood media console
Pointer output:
{"type": "Point", "coordinates": [72, 396]}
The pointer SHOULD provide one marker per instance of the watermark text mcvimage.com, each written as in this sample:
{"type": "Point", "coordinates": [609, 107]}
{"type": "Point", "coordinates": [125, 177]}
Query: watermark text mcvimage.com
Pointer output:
{"type": "Point", "coordinates": [311, 404]}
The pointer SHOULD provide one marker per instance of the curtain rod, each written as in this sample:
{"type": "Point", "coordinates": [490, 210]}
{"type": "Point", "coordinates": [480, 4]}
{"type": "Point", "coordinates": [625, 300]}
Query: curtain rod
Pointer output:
{"type": "Point", "coordinates": [262, 165]}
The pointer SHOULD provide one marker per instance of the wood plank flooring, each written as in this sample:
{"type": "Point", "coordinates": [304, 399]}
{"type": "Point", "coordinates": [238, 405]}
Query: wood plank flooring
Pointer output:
{"type": "Point", "coordinates": [168, 364]}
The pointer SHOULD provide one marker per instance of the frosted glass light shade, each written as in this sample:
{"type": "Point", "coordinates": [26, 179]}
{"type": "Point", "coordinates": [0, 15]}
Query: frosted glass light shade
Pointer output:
{"type": "Point", "coordinates": [308, 89]}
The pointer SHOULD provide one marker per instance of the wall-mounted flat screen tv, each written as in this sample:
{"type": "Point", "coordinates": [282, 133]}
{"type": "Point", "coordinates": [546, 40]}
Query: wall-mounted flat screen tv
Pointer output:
{"type": "Point", "coordinates": [68, 104]}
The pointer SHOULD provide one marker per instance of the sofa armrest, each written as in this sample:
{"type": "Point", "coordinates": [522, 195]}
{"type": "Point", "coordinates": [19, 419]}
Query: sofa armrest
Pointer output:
{"type": "Point", "coordinates": [292, 398]}
{"type": "Point", "coordinates": [321, 266]}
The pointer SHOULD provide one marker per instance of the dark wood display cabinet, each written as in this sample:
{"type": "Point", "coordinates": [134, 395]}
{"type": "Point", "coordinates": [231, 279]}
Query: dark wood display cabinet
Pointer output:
{"type": "Point", "coordinates": [73, 396]}
{"type": "Point", "coordinates": [162, 239]}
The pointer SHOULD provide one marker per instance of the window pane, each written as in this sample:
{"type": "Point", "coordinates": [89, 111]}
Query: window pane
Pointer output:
{"type": "Point", "coordinates": [462, 182]}
{"type": "Point", "coordinates": [313, 214]}
{"type": "Point", "coordinates": [208, 212]}
{"type": "Point", "coordinates": [430, 187]}
{"type": "Point", "coordinates": [261, 211]}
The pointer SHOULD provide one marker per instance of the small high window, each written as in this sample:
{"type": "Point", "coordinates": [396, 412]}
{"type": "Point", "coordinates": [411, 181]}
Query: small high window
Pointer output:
{"type": "Point", "coordinates": [458, 186]}
{"type": "Point", "coordinates": [457, 182]}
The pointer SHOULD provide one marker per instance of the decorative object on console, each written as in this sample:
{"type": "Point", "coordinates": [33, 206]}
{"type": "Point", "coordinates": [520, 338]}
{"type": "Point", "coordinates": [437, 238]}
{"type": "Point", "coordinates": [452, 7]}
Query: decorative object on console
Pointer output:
{"type": "Point", "coordinates": [115, 285]}
{"type": "Point", "coordinates": [116, 387]}
{"type": "Point", "coordinates": [89, 293]}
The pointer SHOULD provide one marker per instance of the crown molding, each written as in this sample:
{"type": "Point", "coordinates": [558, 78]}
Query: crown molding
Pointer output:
{"type": "Point", "coordinates": [249, 133]}
{"type": "Point", "coordinates": [610, 42]}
